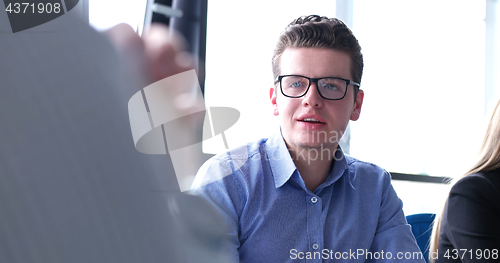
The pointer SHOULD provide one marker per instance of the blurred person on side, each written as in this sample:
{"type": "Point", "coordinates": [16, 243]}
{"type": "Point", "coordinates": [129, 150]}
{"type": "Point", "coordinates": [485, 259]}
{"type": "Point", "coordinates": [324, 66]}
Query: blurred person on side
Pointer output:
{"type": "Point", "coordinates": [468, 230]}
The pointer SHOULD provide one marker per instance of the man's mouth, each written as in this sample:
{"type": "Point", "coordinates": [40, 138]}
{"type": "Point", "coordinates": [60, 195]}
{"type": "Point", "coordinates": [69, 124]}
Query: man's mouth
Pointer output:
{"type": "Point", "coordinates": [311, 120]}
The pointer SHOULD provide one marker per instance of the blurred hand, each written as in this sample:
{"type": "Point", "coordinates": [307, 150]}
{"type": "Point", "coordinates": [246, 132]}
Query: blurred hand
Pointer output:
{"type": "Point", "coordinates": [165, 52]}
{"type": "Point", "coordinates": [160, 53]}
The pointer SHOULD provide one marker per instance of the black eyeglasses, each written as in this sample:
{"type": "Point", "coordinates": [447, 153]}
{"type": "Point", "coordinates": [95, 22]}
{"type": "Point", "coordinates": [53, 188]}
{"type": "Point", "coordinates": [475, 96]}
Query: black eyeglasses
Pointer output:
{"type": "Point", "coordinates": [330, 88]}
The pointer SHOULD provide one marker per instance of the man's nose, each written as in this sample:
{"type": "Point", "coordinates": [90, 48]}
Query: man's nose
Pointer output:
{"type": "Point", "coordinates": [312, 97]}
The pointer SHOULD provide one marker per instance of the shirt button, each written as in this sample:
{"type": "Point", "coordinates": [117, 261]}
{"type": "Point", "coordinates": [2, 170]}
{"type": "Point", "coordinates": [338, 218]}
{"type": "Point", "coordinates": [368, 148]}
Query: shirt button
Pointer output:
{"type": "Point", "coordinates": [315, 246]}
{"type": "Point", "coordinates": [314, 199]}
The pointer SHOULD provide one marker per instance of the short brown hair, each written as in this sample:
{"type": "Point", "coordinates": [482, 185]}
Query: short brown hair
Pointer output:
{"type": "Point", "coordinates": [320, 32]}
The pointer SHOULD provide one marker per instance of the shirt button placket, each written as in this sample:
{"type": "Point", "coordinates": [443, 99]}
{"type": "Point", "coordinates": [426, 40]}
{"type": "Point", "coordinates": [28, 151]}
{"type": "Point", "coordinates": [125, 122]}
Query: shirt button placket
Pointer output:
{"type": "Point", "coordinates": [315, 231]}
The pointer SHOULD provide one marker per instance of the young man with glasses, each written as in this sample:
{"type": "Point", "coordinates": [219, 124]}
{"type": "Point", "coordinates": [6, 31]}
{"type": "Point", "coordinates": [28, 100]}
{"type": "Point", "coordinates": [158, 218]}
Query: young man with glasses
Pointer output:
{"type": "Point", "coordinates": [296, 196]}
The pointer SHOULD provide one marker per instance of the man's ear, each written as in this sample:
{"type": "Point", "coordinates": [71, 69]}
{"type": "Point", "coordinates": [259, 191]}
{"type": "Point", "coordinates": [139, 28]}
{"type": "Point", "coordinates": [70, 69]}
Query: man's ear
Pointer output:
{"type": "Point", "coordinates": [272, 96]}
{"type": "Point", "coordinates": [357, 105]}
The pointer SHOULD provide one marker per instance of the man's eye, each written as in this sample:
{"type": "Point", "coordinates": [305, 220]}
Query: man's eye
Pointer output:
{"type": "Point", "coordinates": [330, 86]}
{"type": "Point", "coordinates": [296, 84]}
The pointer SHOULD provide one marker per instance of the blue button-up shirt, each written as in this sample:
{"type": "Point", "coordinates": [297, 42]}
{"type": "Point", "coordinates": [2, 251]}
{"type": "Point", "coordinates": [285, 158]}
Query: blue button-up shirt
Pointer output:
{"type": "Point", "coordinates": [355, 215]}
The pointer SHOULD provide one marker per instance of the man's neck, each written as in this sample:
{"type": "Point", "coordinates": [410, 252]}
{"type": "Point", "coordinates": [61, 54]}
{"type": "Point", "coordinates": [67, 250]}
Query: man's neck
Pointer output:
{"type": "Point", "coordinates": [313, 164]}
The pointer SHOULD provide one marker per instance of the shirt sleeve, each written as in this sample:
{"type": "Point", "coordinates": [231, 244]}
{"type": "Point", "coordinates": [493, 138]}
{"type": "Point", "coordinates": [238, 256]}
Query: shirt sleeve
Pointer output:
{"type": "Point", "coordinates": [393, 233]}
{"type": "Point", "coordinates": [473, 219]}
{"type": "Point", "coordinates": [215, 183]}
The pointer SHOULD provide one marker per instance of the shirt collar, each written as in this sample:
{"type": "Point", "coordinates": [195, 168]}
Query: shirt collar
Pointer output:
{"type": "Point", "coordinates": [283, 167]}
{"type": "Point", "coordinates": [279, 158]}
{"type": "Point", "coordinates": [339, 168]}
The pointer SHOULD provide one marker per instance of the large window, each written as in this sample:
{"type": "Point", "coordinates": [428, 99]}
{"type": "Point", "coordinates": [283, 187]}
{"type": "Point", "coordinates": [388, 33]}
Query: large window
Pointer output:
{"type": "Point", "coordinates": [424, 84]}
{"type": "Point", "coordinates": [427, 102]}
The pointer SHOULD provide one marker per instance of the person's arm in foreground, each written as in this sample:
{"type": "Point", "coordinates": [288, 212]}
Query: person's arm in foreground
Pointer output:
{"type": "Point", "coordinates": [221, 194]}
